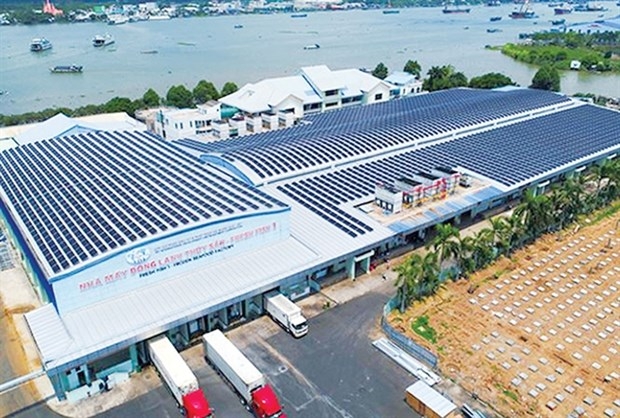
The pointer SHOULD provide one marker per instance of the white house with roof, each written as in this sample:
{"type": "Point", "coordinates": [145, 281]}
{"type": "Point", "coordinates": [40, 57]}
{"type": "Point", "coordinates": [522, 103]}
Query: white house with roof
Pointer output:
{"type": "Point", "coordinates": [314, 89]}
{"type": "Point", "coordinates": [404, 83]}
{"type": "Point", "coordinates": [172, 123]}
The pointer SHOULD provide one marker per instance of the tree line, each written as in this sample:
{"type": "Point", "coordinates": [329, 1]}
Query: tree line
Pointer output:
{"type": "Point", "coordinates": [451, 256]}
{"type": "Point", "coordinates": [177, 96]}
{"type": "Point", "coordinates": [446, 77]}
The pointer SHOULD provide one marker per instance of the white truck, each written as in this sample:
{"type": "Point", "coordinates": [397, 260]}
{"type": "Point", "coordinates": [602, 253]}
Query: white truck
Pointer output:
{"type": "Point", "coordinates": [286, 313]}
{"type": "Point", "coordinates": [179, 378]}
{"type": "Point", "coordinates": [244, 377]}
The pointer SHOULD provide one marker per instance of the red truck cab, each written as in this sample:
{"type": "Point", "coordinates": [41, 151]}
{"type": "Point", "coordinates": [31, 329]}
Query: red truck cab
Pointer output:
{"type": "Point", "coordinates": [196, 405]}
{"type": "Point", "coordinates": [265, 403]}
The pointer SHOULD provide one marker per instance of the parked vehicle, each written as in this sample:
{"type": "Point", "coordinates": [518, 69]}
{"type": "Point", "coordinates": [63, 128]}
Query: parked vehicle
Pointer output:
{"type": "Point", "coordinates": [286, 313]}
{"type": "Point", "coordinates": [179, 378]}
{"type": "Point", "coordinates": [243, 376]}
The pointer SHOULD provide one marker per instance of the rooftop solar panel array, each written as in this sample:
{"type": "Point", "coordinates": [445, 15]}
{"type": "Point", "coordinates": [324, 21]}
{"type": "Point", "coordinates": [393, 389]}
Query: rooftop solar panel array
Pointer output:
{"type": "Point", "coordinates": [82, 196]}
{"type": "Point", "coordinates": [354, 132]}
{"type": "Point", "coordinates": [508, 155]}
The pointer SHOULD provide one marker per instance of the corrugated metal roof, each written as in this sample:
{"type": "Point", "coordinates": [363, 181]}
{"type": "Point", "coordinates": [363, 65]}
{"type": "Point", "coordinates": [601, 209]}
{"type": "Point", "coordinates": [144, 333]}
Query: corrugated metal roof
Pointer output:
{"type": "Point", "coordinates": [49, 332]}
{"type": "Point", "coordinates": [431, 398]}
{"type": "Point", "coordinates": [322, 77]}
{"type": "Point", "coordinates": [145, 312]}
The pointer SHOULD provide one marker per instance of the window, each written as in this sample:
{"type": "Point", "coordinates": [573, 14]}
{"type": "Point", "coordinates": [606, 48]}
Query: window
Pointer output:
{"type": "Point", "coordinates": [378, 96]}
{"type": "Point", "coordinates": [331, 92]}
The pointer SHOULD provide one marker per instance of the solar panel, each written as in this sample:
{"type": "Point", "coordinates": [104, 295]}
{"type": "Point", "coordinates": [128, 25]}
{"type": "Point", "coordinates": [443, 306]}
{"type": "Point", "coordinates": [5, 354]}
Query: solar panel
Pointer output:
{"type": "Point", "coordinates": [84, 195]}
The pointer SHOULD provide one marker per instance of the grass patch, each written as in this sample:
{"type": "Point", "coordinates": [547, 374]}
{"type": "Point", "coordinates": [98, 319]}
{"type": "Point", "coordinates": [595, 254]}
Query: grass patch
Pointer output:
{"type": "Point", "coordinates": [607, 212]}
{"type": "Point", "coordinates": [510, 394]}
{"type": "Point", "coordinates": [421, 327]}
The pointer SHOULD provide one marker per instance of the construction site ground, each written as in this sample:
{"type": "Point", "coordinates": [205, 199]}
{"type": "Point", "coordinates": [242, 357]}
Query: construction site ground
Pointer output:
{"type": "Point", "coordinates": [537, 334]}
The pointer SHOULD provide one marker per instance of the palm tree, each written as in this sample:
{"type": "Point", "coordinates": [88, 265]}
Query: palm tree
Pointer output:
{"type": "Point", "coordinates": [534, 212]}
{"type": "Point", "coordinates": [409, 276]}
{"type": "Point", "coordinates": [501, 234]}
{"type": "Point", "coordinates": [445, 243]}
{"type": "Point", "coordinates": [430, 274]}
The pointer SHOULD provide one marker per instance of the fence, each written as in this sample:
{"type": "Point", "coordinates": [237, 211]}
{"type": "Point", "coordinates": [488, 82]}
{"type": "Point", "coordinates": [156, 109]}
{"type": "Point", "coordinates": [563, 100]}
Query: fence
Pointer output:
{"type": "Point", "coordinates": [403, 342]}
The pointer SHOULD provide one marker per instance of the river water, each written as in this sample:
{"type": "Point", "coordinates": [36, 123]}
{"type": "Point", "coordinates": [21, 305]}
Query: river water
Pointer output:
{"type": "Point", "coordinates": [211, 48]}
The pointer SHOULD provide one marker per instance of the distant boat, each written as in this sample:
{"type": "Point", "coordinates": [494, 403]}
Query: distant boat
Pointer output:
{"type": "Point", "coordinates": [453, 10]}
{"type": "Point", "coordinates": [552, 5]}
{"type": "Point", "coordinates": [564, 10]}
{"type": "Point", "coordinates": [66, 69]}
{"type": "Point", "coordinates": [590, 7]}
{"type": "Point", "coordinates": [493, 30]}
{"type": "Point", "coordinates": [117, 19]}
{"type": "Point", "coordinates": [495, 18]}
{"type": "Point", "coordinates": [150, 51]}
{"type": "Point", "coordinates": [159, 17]}
{"type": "Point", "coordinates": [558, 22]}
{"type": "Point", "coordinates": [102, 40]}
{"type": "Point", "coordinates": [494, 3]}
{"type": "Point", "coordinates": [299, 15]}
{"type": "Point", "coordinates": [40, 44]}
{"type": "Point", "coordinates": [391, 12]}
{"type": "Point", "coordinates": [312, 46]}
{"type": "Point", "coordinates": [524, 12]}
{"type": "Point", "coordinates": [238, 26]}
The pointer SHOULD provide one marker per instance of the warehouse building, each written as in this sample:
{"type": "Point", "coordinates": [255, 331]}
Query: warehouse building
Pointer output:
{"type": "Point", "coordinates": [128, 236]}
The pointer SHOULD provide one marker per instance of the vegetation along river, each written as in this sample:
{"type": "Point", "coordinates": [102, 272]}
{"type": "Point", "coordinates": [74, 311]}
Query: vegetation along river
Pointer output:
{"type": "Point", "coordinates": [212, 48]}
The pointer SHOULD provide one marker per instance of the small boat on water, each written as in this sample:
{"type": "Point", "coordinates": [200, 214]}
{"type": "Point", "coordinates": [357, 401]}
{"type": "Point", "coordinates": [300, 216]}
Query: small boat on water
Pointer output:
{"type": "Point", "coordinates": [391, 12]}
{"type": "Point", "coordinates": [494, 3]}
{"type": "Point", "coordinates": [495, 18]}
{"type": "Point", "coordinates": [558, 22]}
{"type": "Point", "coordinates": [590, 7]}
{"type": "Point", "coordinates": [493, 30]}
{"type": "Point", "coordinates": [312, 46]}
{"type": "Point", "coordinates": [524, 12]}
{"type": "Point", "coordinates": [564, 10]}
{"type": "Point", "coordinates": [238, 26]}
{"type": "Point", "coordinates": [63, 69]}
{"type": "Point", "coordinates": [299, 15]}
{"type": "Point", "coordinates": [455, 10]}
{"type": "Point", "coordinates": [117, 19]}
{"type": "Point", "coordinates": [40, 44]}
{"type": "Point", "coordinates": [102, 40]}
{"type": "Point", "coordinates": [150, 51]}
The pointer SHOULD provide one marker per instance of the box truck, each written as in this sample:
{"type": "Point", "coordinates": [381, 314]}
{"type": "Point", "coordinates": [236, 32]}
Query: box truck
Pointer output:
{"type": "Point", "coordinates": [243, 376]}
{"type": "Point", "coordinates": [179, 378]}
{"type": "Point", "coordinates": [286, 313]}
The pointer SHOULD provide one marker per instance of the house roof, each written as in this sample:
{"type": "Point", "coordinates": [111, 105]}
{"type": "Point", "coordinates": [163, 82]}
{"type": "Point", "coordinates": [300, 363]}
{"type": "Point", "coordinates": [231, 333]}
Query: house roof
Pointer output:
{"type": "Point", "coordinates": [266, 94]}
{"type": "Point", "coordinates": [322, 78]}
{"type": "Point", "coordinates": [400, 78]}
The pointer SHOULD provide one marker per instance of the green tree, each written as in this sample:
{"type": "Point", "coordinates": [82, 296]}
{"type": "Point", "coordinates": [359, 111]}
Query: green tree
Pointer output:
{"type": "Point", "coordinates": [205, 91]}
{"type": "Point", "coordinates": [445, 243]}
{"type": "Point", "coordinates": [380, 71]}
{"type": "Point", "coordinates": [410, 274]}
{"type": "Point", "coordinates": [546, 78]}
{"type": "Point", "coordinates": [413, 68]}
{"type": "Point", "coordinates": [119, 104]}
{"type": "Point", "coordinates": [444, 77]}
{"type": "Point", "coordinates": [179, 96]}
{"type": "Point", "coordinates": [229, 88]}
{"type": "Point", "coordinates": [490, 81]}
{"type": "Point", "coordinates": [151, 98]}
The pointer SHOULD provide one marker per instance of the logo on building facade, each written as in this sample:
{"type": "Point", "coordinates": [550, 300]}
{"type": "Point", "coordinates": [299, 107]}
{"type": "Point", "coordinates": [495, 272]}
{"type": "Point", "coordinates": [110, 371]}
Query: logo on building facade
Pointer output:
{"type": "Point", "coordinates": [138, 256]}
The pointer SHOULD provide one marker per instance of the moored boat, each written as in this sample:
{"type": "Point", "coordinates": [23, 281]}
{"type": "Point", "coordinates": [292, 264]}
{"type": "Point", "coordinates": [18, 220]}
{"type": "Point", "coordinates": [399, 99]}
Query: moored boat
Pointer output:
{"type": "Point", "coordinates": [312, 46]}
{"type": "Point", "coordinates": [455, 10]}
{"type": "Point", "coordinates": [102, 40]}
{"type": "Point", "coordinates": [495, 18]}
{"type": "Point", "coordinates": [524, 12]}
{"type": "Point", "coordinates": [391, 12]}
{"type": "Point", "coordinates": [493, 30]}
{"type": "Point", "coordinates": [299, 15]}
{"type": "Point", "coordinates": [67, 69]}
{"type": "Point", "coordinates": [558, 22]}
{"type": "Point", "coordinates": [564, 10]}
{"type": "Point", "coordinates": [40, 44]}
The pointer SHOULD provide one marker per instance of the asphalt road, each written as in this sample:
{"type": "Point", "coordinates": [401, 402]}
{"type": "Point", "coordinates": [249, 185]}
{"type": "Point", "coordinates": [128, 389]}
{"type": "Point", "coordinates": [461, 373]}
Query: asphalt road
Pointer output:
{"type": "Point", "coordinates": [334, 371]}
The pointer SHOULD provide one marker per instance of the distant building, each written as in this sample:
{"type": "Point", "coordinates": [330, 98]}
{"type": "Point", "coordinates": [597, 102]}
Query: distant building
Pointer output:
{"type": "Point", "coordinates": [314, 89]}
{"type": "Point", "coordinates": [185, 123]}
{"type": "Point", "coordinates": [404, 83]}
{"type": "Point", "coordinates": [607, 25]}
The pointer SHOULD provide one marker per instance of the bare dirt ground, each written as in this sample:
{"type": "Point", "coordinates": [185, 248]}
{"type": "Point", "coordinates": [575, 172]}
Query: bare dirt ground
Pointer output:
{"type": "Point", "coordinates": [536, 335]}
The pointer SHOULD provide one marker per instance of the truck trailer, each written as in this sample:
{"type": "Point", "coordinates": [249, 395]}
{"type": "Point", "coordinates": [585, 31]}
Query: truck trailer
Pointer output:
{"type": "Point", "coordinates": [179, 378]}
{"type": "Point", "coordinates": [243, 376]}
{"type": "Point", "coordinates": [286, 313]}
